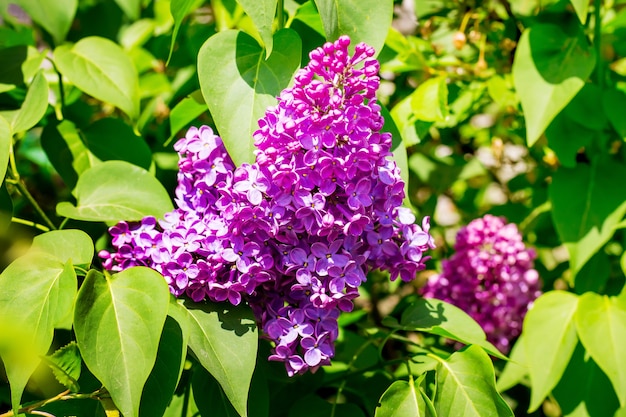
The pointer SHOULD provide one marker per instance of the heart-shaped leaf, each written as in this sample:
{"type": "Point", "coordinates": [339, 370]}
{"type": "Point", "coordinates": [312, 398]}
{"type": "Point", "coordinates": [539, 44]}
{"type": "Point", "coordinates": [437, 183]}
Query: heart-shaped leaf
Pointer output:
{"type": "Point", "coordinates": [248, 83]}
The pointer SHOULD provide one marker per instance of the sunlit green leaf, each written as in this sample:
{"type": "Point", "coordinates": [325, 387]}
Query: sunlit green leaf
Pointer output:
{"type": "Point", "coordinates": [549, 68]}
{"type": "Point", "coordinates": [179, 9]}
{"type": "Point", "coordinates": [100, 68]}
{"type": "Point", "coordinates": [117, 190]}
{"type": "Point", "coordinates": [248, 84]}
{"type": "Point", "coordinates": [466, 386]}
{"type": "Point", "coordinates": [54, 16]}
{"type": "Point", "coordinates": [131, 8]}
{"type": "Point", "coordinates": [37, 294]}
{"type": "Point", "coordinates": [443, 319]}
{"type": "Point", "coordinates": [601, 325]}
{"type": "Point", "coordinates": [581, 7]}
{"type": "Point", "coordinates": [5, 146]}
{"type": "Point", "coordinates": [224, 339]}
{"type": "Point", "coordinates": [118, 321]}
{"type": "Point", "coordinates": [429, 101]}
{"type": "Point", "coordinates": [585, 224]}
{"type": "Point", "coordinates": [66, 364]}
{"type": "Point", "coordinates": [515, 369]}
{"type": "Point", "coordinates": [34, 106]}
{"type": "Point", "coordinates": [549, 341]}
{"type": "Point", "coordinates": [401, 399]}
{"type": "Point", "coordinates": [185, 111]}
{"type": "Point", "coordinates": [363, 20]}
{"type": "Point", "coordinates": [262, 14]}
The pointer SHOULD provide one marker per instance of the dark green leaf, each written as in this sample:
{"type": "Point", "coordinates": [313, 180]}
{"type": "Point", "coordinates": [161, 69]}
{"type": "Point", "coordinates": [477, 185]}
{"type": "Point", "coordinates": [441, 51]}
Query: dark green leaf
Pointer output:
{"type": "Point", "coordinates": [66, 151]}
{"type": "Point", "coordinates": [584, 390]}
{"type": "Point", "coordinates": [209, 396]}
{"type": "Point", "coordinates": [248, 83]}
{"type": "Point", "coordinates": [585, 224]}
{"type": "Point", "coordinates": [100, 68]}
{"type": "Point", "coordinates": [117, 190]}
{"type": "Point", "coordinates": [307, 13]}
{"type": "Point", "coordinates": [549, 68]}
{"type": "Point", "coordinates": [179, 9]}
{"type": "Point", "coordinates": [262, 14]}
{"type": "Point", "coordinates": [6, 209]}
{"type": "Point", "coordinates": [399, 151]}
{"type": "Point", "coordinates": [466, 386]}
{"type": "Point", "coordinates": [401, 399]}
{"type": "Point", "coordinates": [443, 319]}
{"type": "Point", "coordinates": [566, 138]}
{"type": "Point", "coordinates": [601, 325]}
{"type": "Point", "coordinates": [168, 367]}
{"type": "Point", "coordinates": [612, 102]}
{"type": "Point", "coordinates": [364, 21]}
{"type": "Point", "coordinates": [314, 406]}
{"type": "Point", "coordinates": [6, 139]}
{"type": "Point", "coordinates": [224, 339]}
{"type": "Point", "coordinates": [34, 106]}
{"type": "Point", "coordinates": [54, 16]}
{"type": "Point", "coordinates": [118, 320]}
{"type": "Point", "coordinates": [66, 363]}
{"type": "Point", "coordinates": [549, 338]}
{"type": "Point", "coordinates": [112, 139]}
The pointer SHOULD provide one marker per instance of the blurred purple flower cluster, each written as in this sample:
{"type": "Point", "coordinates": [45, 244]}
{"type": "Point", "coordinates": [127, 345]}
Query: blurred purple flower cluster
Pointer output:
{"type": "Point", "coordinates": [295, 233]}
{"type": "Point", "coordinates": [490, 277]}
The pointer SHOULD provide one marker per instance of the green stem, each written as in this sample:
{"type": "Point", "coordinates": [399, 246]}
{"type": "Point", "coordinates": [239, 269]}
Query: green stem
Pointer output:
{"type": "Point", "coordinates": [30, 223]}
{"type": "Point", "coordinates": [64, 396]}
{"type": "Point", "coordinates": [15, 176]}
{"type": "Point", "coordinates": [281, 18]}
{"type": "Point", "coordinates": [61, 89]}
{"type": "Point", "coordinates": [597, 42]}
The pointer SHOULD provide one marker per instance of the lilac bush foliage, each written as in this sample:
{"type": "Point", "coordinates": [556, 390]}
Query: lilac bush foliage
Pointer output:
{"type": "Point", "coordinates": [296, 233]}
{"type": "Point", "coordinates": [490, 277]}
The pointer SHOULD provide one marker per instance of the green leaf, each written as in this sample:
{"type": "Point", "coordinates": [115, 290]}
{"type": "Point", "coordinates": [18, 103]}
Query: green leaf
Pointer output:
{"type": "Point", "coordinates": [581, 7]}
{"type": "Point", "coordinates": [613, 101]}
{"type": "Point", "coordinates": [34, 106]}
{"type": "Point", "coordinates": [399, 151]}
{"type": "Point", "coordinates": [549, 68]}
{"type": "Point", "coordinates": [112, 139]}
{"type": "Point", "coordinates": [209, 396]}
{"type": "Point", "coordinates": [131, 8]}
{"type": "Point", "coordinates": [224, 339]}
{"type": "Point", "coordinates": [37, 294]}
{"type": "Point", "coordinates": [601, 324]}
{"type": "Point", "coordinates": [70, 244]}
{"type": "Point", "coordinates": [584, 389]}
{"type": "Point", "coordinates": [117, 190]}
{"type": "Point", "coordinates": [54, 16]}
{"type": "Point", "coordinates": [6, 209]}
{"type": "Point", "coordinates": [399, 400]}
{"type": "Point", "coordinates": [307, 13]}
{"type": "Point", "coordinates": [566, 137]}
{"type": "Point", "coordinates": [429, 101]}
{"type": "Point", "coordinates": [66, 151]}
{"type": "Point", "coordinates": [100, 68]}
{"type": "Point", "coordinates": [466, 386]}
{"type": "Point", "coordinates": [164, 377]}
{"type": "Point", "coordinates": [262, 14]}
{"type": "Point", "coordinates": [586, 224]}
{"type": "Point", "coordinates": [248, 83]}
{"type": "Point", "coordinates": [6, 138]}
{"type": "Point", "coordinates": [438, 317]}
{"type": "Point", "coordinates": [179, 9]}
{"type": "Point", "coordinates": [118, 323]}
{"type": "Point", "coordinates": [515, 369]}
{"type": "Point", "coordinates": [363, 20]}
{"type": "Point", "coordinates": [314, 406]}
{"type": "Point", "coordinates": [185, 111]}
{"type": "Point", "coordinates": [549, 341]}
{"type": "Point", "coordinates": [66, 364]}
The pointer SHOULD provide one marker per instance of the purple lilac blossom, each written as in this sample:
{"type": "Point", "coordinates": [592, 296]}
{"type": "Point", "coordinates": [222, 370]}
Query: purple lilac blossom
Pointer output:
{"type": "Point", "coordinates": [294, 234]}
{"type": "Point", "coordinates": [490, 277]}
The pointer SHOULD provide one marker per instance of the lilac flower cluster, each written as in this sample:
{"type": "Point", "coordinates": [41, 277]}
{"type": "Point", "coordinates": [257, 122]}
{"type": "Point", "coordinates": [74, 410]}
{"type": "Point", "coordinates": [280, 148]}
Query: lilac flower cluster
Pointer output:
{"type": "Point", "coordinates": [296, 233]}
{"type": "Point", "coordinates": [490, 277]}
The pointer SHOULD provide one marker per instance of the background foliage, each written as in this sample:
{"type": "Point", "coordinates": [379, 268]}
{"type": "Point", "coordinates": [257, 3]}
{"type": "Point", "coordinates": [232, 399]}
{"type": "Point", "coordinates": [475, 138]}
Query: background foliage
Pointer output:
{"type": "Point", "coordinates": [510, 107]}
